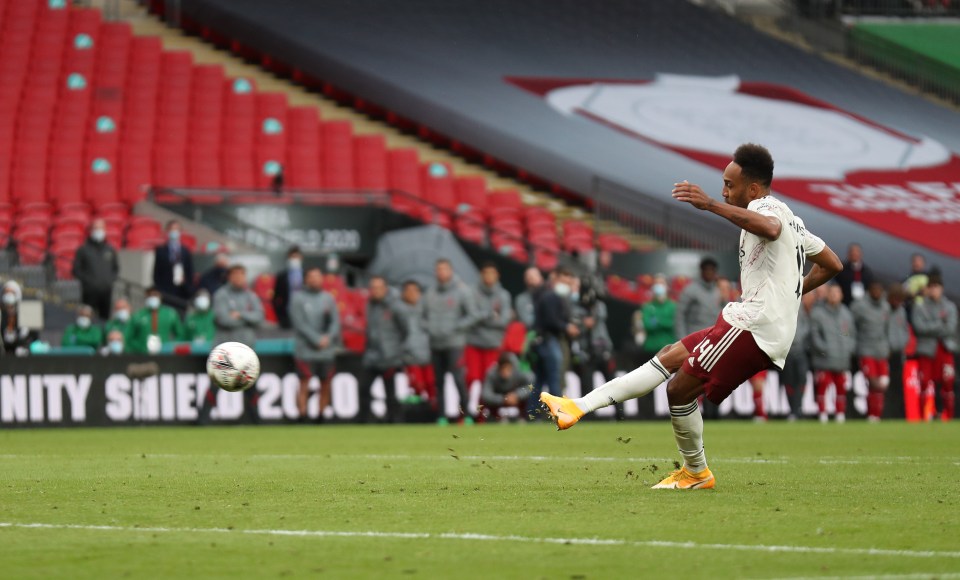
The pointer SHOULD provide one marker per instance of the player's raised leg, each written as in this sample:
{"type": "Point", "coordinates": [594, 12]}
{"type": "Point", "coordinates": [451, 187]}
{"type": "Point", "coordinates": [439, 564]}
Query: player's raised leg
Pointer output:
{"type": "Point", "coordinates": [636, 383]}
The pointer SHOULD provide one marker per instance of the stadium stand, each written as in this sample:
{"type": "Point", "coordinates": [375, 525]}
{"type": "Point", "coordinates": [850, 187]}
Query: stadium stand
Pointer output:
{"type": "Point", "coordinates": [104, 112]}
{"type": "Point", "coordinates": [466, 97]}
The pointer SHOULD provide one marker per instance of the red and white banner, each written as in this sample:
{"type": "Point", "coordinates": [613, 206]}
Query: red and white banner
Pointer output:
{"type": "Point", "coordinates": [906, 186]}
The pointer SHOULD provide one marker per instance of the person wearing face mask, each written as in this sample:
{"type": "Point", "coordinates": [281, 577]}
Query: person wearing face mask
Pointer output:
{"type": "Point", "coordinates": [115, 344]}
{"type": "Point", "coordinates": [153, 320]}
{"type": "Point", "coordinates": [83, 332]}
{"type": "Point", "coordinates": [199, 324]}
{"type": "Point", "coordinates": [120, 319]}
{"type": "Point", "coordinates": [16, 338]}
{"type": "Point", "coordinates": [552, 325]}
{"type": "Point", "coordinates": [95, 267]}
{"type": "Point", "coordinates": [288, 281]}
{"type": "Point", "coordinates": [659, 318]}
{"type": "Point", "coordinates": [173, 269]}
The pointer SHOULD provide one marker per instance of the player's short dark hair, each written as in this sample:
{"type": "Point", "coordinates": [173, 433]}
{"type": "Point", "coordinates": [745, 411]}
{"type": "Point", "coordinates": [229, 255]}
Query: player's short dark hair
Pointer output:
{"type": "Point", "coordinates": [505, 358]}
{"type": "Point", "coordinates": [935, 278]}
{"type": "Point", "coordinates": [377, 277]}
{"type": "Point", "coordinates": [489, 264]}
{"type": "Point", "coordinates": [151, 290]}
{"type": "Point", "coordinates": [294, 250]}
{"type": "Point", "coordinates": [411, 283]}
{"type": "Point", "coordinates": [562, 271]}
{"type": "Point", "coordinates": [755, 163]}
{"type": "Point", "coordinates": [233, 268]}
{"type": "Point", "coordinates": [708, 262]}
{"type": "Point", "coordinates": [444, 261]}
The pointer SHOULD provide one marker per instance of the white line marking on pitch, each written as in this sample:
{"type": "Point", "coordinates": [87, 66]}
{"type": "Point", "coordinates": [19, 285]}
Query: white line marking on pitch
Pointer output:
{"type": "Point", "coordinates": [495, 538]}
{"type": "Point", "coordinates": [407, 457]}
{"type": "Point", "coordinates": [917, 576]}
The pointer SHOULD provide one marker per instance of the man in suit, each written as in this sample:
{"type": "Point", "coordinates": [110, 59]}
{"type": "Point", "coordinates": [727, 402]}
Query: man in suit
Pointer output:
{"type": "Point", "coordinates": [173, 269]}
{"type": "Point", "coordinates": [856, 276]}
{"type": "Point", "coordinates": [288, 281]}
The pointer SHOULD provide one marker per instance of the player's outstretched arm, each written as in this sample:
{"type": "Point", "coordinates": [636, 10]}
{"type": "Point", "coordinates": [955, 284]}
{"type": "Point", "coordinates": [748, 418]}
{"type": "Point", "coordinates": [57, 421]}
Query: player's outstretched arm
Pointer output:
{"type": "Point", "coordinates": [767, 227]}
{"type": "Point", "coordinates": [826, 265]}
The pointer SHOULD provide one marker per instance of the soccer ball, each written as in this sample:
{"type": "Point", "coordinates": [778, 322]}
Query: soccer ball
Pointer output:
{"type": "Point", "coordinates": [233, 366]}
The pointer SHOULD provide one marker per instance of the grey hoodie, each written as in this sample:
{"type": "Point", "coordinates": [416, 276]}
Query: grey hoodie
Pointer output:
{"type": "Point", "coordinates": [388, 330]}
{"type": "Point", "coordinates": [934, 322]}
{"type": "Point", "coordinates": [872, 318]}
{"type": "Point", "coordinates": [833, 336]}
{"type": "Point", "coordinates": [244, 329]}
{"type": "Point", "coordinates": [417, 346]}
{"type": "Point", "coordinates": [493, 305]}
{"type": "Point", "coordinates": [314, 315]}
{"type": "Point", "coordinates": [698, 307]}
{"type": "Point", "coordinates": [495, 386]}
{"type": "Point", "coordinates": [450, 313]}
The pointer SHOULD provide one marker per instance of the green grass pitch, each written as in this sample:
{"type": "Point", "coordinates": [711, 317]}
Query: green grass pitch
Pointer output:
{"type": "Point", "coordinates": [490, 501]}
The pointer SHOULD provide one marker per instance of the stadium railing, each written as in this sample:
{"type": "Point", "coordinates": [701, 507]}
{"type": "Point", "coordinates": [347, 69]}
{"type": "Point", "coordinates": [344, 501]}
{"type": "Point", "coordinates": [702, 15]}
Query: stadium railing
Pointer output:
{"type": "Point", "coordinates": [675, 226]}
{"type": "Point", "coordinates": [386, 199]}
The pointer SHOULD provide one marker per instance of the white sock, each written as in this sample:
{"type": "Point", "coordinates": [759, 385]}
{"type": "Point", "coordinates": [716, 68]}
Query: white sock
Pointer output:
{"type": "Point", "coordinates": [688, 430]}
{"type": "Point", "coordinates": [636, 383]}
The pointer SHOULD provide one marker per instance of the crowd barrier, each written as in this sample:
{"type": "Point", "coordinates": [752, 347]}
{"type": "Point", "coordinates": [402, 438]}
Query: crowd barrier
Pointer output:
{"type": "Point", "coordinates": [106, 391]}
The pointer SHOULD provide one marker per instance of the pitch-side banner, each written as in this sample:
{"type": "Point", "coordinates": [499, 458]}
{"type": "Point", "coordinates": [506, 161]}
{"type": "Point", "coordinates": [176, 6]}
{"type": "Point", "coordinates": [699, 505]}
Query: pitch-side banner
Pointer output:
{"type": "Point", "coordinates": [904, 185]}
{"type": "Point", "coordinates": [95, 391]}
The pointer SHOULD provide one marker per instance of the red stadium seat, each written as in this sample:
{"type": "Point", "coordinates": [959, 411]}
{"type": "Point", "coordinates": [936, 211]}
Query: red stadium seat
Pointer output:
{"type": "Point", "coordinates": [504, 198]}
{"type": "Point", "coordinates": [437, 184]}
{"type": "Point", "coordinates": [263, 288]}
{"type": "Point", "coordinates": [471, 191]}
{"type": "Point", "coordinates": [302, 171]}
{"type": "Point", "coordinates": [31, 255]}
{"type": "Point", "coordinates": [370, 161]}
{"type": "Point", "coordinates": [303, 129]}
{"type": "Point", "coordinates": [470, 230]}
{"type": "Point", "coordinates": [403, 172]}
{"type": "Point", "coordinates": [546, 260]}
{"type": "Point", "coordinates": [336, 155]}
{"type": "Point", "coordinates": [613, 243]}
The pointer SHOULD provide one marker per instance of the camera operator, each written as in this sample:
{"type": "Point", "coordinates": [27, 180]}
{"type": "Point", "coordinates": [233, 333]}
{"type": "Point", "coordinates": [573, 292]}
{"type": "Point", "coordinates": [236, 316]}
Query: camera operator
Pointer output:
{"type": "Point", "coordinates": [592, 349]}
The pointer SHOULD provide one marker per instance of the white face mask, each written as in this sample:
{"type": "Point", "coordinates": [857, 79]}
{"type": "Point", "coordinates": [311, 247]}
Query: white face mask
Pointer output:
{"type": "Point", "coordinates": [9, 299]}
{"type": "Point", "coordinates": [116, 346]}
{"type": "Point", "coordinates": [294, 263]}
{"type": "Point", "coordinates": [202, 302]}
{"type": "Point", "coordinates": [122, 315]}
{"type": "Point", "coordinates": [153, 302]}
{"type": "Point", "coordinates": [174, 235]}
{"type": "Point", "coordinates": [83, 321]}
{"type": "Point", "coordinates": [562, 289]}
{"type": "Point", "coordinates": [659, 290]}
{"type": "Point", "coordinates": [98, 235]}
